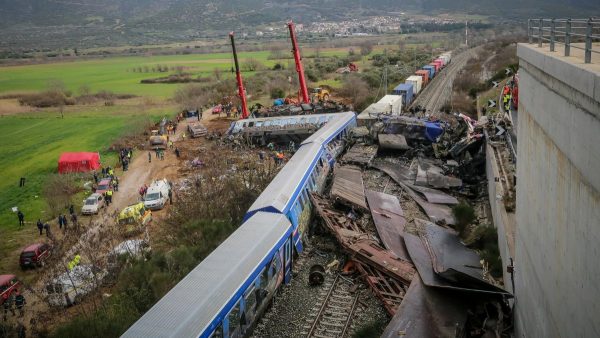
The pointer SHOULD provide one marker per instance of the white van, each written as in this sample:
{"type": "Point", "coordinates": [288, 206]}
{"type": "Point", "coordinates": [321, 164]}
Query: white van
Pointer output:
{"type": "Point", "coordinates": [68, 288]}
{"type": "Point", "coordinates": [157, 195]}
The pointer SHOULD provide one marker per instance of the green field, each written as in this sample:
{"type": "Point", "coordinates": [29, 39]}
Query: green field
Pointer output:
{"type": "Point", "coordinates": [117, 74]}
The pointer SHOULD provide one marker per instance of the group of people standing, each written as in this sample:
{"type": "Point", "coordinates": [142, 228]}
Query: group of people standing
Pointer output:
{"type": "Point", "coordinates": [125, 155]}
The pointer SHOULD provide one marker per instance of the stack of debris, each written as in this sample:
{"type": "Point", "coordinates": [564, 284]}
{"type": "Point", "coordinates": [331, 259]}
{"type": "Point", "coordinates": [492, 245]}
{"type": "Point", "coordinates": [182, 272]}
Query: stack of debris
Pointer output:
{"type": "Point", "coordinates": [289, 107]}
{"type": "Point", "coordinates": [425, 276]}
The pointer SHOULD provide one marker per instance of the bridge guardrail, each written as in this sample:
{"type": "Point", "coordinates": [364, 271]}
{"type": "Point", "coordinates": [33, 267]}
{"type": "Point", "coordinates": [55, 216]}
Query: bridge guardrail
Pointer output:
{"type": "Point", "coordinates": [567, 32]}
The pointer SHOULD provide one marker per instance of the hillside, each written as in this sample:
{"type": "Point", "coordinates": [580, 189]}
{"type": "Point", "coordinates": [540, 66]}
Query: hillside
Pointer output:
{"type": "Point", "coordinates": [88, 23]}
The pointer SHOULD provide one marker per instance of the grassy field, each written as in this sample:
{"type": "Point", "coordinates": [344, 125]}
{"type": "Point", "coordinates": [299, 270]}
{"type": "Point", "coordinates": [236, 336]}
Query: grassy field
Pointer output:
{"type": "Point", "coordinates": [117, 74]}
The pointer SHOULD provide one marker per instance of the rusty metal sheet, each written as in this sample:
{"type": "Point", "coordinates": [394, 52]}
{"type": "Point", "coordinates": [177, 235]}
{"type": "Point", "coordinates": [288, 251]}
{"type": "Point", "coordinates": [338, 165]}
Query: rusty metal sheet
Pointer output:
{"type": "Point", "coordinates": [427, 312]}
{"type": "Point", "coordinates": [435, 212]}
{"type": "Point", "coordinates": [387, 289]}
{"type": "Point", "coordinates": [451, 259]}
{"type": "Point", "coordinates": [367, 251]}
{"type": "Point", "coordinates": [360, 154]}
{"type": "Point", "coordinates": [389, 221]}
{"type": "Point", "coordinates": [422, 261]}
{"type": "Point", "coordinates": [393, 141]}
{"type": "Point", "coordinates": [348, 186]}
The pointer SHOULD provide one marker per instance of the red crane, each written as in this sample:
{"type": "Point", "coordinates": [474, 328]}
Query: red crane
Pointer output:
{"type": "Point", "coordinates": [299, 68]}
{"type": "Point", "coordinates": [238, 76]}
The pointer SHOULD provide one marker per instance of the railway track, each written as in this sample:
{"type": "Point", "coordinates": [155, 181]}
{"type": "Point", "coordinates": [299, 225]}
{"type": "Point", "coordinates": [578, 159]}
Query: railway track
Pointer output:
{"type": "Point", "coordinates": [434, 96]}
{"type": "Point", "coordinates": [331, 317]}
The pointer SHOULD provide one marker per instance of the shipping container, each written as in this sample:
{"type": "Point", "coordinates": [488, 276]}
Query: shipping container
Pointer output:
{"type": "Point", "coordinates": [389, 104]}
{"type": "Point", "coordinates": [423, 73]}
{"type": "Point", "coordinates": [442, 61]}
{"type": "Point", "coordinates": [406, 91]}
{"type": "Point", "coordinates": [436, 65]}
{"type": "Point", "coordinates": [446, 59]}
{"type": "Point", "coordinates": [416, 81]}
{"type": "Point", "coordinates": [431, 70]}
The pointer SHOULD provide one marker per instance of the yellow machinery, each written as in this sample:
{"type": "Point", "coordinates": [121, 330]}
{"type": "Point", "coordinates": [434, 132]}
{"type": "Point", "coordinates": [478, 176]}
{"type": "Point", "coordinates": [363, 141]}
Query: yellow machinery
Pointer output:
{"type": "Point", "coordinates": [320, 94]}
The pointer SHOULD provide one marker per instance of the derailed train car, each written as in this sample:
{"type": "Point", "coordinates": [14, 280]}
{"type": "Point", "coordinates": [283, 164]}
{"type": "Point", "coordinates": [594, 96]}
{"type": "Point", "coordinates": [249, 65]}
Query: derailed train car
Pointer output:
{"type": "Point", "coordinates": [229, 290]}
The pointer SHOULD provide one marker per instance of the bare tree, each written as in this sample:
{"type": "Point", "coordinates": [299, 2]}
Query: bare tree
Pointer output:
{"type": "Point", "coordinates": [366, 47]}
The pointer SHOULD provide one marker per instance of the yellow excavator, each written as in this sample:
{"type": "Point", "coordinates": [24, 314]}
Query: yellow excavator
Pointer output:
{"type": "Point", "coordinates": [320, 94]}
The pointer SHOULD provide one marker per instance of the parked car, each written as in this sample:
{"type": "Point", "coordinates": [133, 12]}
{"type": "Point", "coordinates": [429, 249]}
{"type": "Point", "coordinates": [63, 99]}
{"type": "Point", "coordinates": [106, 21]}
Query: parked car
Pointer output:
{"type": "Point", "coordinates": [157, 195]}
{"type": "Point", "coordinates": [104, 185]}
{"type": "Point", "coordinates": [35, 255]}
{"type": "Point", "coordinates": [9, 285]}
{"type": "Point", "coordinates": [92, 204]}
{"type": "Point", "coordinates": [217, 109]}
{"type": "Point", "coordinates": [71, 286]}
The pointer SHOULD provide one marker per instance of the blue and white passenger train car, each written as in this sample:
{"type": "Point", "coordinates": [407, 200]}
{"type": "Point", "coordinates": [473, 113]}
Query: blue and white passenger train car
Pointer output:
{"type": "Point", "coordinates": [229, 290]}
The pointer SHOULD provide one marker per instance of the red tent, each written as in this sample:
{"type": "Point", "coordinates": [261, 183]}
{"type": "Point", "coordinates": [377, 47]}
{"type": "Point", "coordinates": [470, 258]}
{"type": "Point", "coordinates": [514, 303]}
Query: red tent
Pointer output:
{"type": "Point", "coordinates": [78, 162]}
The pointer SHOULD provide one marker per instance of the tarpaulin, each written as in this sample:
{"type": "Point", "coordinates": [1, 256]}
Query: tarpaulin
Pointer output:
{"type": "Point", "coordinates": [78, 162]}
{"type": "Point", "coordinates": [433, 130]}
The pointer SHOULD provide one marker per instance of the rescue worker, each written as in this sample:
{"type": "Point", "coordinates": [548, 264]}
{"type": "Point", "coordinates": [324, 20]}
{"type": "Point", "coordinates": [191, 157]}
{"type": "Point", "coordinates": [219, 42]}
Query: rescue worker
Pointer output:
{"type": "Point", "coordinates": [60, 221]}
{"type": "Point", "coordinates": [21, 218]}
{"type": "Point", "coordinates": [74, 220]}
{"type": "Point", "coordinates": [109, 194]}
{"type": "Point", "coordinates": [115, 183]}
{"type": "Point", "coordinates": [74, 262]}
{"type": "Point", "coordinates": [47, 227]}
{"type": "Point", "coordinates": [177, 152]}
{"type": "Point", "coordinates": [170, 197]}
{"type": "Point", "coordinates": [20, 303]}
{"type": "Point", "coordinates": [149, 157]}
{"type": "Point", "coordinates": [40, 226]}
{"type": "Point", "coordinates": [71, 209]}
{"type": "Point", "coordinates": [65, 222]}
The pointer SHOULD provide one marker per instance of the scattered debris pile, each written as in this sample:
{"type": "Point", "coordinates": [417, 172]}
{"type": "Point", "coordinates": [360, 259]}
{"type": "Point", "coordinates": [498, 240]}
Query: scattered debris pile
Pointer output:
{"type": "Point", "coordinates": [424, 274]}
{"type": "Point", "coordinates": [288, 107]}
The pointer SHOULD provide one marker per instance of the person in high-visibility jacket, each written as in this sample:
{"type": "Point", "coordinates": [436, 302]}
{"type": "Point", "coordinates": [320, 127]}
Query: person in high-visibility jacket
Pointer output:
{"type": "Point", "coordinates": [74, 262]}
{"type": "Point", "coordinates": [108, 196]}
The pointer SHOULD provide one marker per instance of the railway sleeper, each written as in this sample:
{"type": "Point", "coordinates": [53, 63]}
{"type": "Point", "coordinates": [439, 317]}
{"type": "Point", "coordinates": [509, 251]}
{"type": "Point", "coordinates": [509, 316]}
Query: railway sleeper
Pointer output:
{"type": "Point", "coordinates": [333, 324]}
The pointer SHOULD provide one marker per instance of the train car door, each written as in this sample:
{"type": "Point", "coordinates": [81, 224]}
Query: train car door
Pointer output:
{"type": "Point", "coordinates": [288, 261]}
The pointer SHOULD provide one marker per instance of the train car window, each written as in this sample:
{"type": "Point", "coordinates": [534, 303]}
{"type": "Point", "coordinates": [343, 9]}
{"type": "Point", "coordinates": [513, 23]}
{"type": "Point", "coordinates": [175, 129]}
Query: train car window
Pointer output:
{"type": "Point", "coordinates": [234, 320]}
{"type": "Point", "coordinates": [250, 299]}
{"type": "Point", "coordinates": [264, 278]}
{"type": "Point", "coordinates": [250, 124]}
{"type": "Point", "coordinates": [305, 194]}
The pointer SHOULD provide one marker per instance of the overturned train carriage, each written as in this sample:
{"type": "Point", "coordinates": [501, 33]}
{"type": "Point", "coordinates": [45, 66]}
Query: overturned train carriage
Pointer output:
{"type": "Point", "coordinates": [228, 291]}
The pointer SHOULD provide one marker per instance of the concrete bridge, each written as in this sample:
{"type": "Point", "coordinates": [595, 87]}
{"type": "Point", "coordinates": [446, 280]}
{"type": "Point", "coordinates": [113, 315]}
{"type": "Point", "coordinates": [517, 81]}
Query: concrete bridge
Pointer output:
{"type": "Point", "coordinates": [557, 241]}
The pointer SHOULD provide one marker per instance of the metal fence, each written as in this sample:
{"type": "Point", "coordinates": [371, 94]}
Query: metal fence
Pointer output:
{"type": "Point", "coordinates": [570, 33]}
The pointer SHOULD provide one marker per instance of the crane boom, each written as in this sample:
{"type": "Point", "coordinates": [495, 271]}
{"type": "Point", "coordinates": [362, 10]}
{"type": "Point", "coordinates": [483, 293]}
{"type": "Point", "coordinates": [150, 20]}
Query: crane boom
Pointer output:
{"type": "Point", "coordinates": [238, 76]}
{"type": "Point", "coordinates": [298, 60]}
